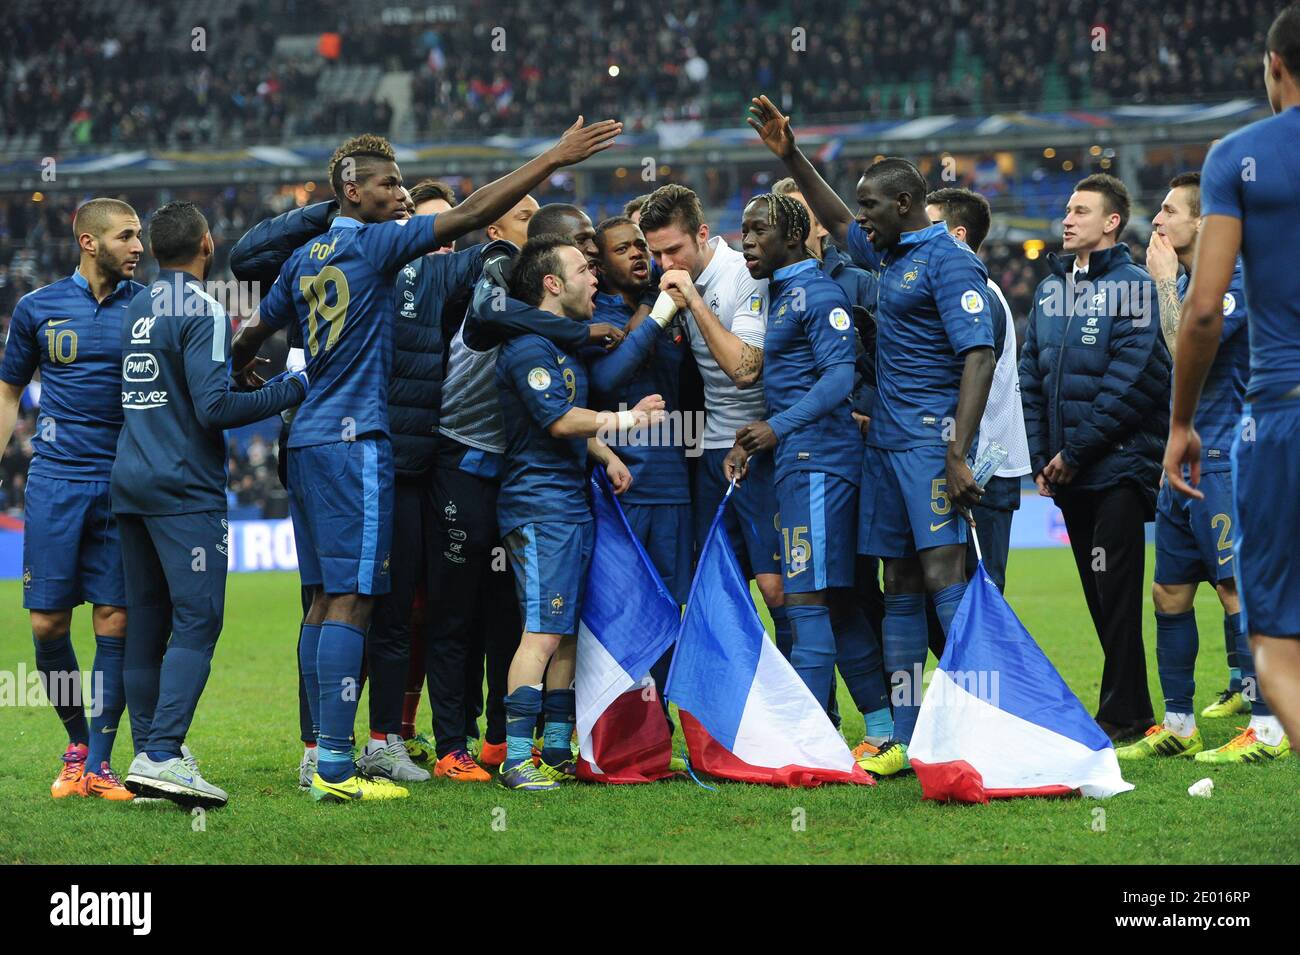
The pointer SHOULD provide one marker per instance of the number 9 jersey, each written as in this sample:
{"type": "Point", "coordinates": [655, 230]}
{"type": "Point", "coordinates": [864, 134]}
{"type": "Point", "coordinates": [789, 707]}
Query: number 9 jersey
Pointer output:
{"type": "Point", "coordinates": [340, 289]}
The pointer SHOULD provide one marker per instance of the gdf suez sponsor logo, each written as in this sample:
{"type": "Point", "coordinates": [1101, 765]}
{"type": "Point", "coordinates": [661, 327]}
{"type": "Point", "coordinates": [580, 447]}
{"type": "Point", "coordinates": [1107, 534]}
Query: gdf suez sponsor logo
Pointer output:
{"type": "Point", "coordinates": [143, 399]}
{"type": "Point", "coordinates": [139, 367]}
{"type": "Point", "coordinates": [77, 908]}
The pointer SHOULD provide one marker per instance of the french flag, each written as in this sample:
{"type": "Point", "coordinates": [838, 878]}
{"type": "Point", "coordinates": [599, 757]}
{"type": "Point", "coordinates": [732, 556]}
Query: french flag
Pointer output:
{"type": "Point", "coordinates": [629, 620]}
{"type": "Point", "coordinates": [999, 722]}
{"type": "Point", "coordinates": [745, 713]}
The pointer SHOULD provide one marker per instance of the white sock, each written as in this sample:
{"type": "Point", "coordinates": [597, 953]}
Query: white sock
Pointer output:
{"type": "Point", "coordinates": [309, 752]}
{"type": "Point", "coordinates": [1180, 724]}
{"type": "Point", "coordinates": [1268, 729]}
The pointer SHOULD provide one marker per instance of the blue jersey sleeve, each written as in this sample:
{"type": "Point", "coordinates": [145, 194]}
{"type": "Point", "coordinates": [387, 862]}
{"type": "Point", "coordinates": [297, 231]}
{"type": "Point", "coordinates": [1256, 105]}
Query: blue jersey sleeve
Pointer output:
{"type": "Point", "coordinates": [456, 270]}
{"type": "Point", "coordinates": [1221, 182]}
{"type": "Point", "coordinates": [22, 354]}
{"type": "Point", "coordinates": [860, 249]}
{"type": "Point", "coordinates": [611, 371]}
{"type": "Point", "coordinates": [961, 294]}
{"type": "Point", "coordinates": [390, 245]}
{"type": "Point", "coordinates": [276, 308]}
{"type": "Point", "coordinates": [545, 389]}
{"type": "Point", "coordinates": [829, 330]}
{"type": "Point", "coordinates": [1234, 310]}
{"type": "Point", "coordinates": [205, 344]}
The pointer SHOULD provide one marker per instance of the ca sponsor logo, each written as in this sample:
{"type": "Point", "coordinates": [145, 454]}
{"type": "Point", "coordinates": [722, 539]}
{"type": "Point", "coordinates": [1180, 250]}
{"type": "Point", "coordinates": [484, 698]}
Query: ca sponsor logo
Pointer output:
{"type": "Point", "coordinates": [139, 366]}
{"type": "Point", "coordinates": [142, 329]}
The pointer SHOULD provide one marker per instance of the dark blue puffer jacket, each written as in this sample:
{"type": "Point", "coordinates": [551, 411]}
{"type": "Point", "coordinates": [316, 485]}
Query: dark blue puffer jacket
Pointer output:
{"type": "Point", "coordinates": [1094, 373]}
{"type": "Point", "coordinates": [423, 290]}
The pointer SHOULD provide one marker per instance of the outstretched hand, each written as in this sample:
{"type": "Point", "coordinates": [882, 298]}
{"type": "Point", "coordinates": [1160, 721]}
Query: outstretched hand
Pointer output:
{"type": "Point", "coordinates": [581, 142]}
{"type": "Point", "coordinates": [772, 126]}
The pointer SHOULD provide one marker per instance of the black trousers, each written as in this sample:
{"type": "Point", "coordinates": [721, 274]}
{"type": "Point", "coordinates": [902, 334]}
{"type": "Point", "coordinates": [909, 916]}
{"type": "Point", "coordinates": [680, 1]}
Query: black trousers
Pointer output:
{"type": "Point", "coordinates": [412, 567]}
{"type": "Point", "coordinates": [1109, 544]}
{"type": "Point", "coordinates": [479, 618]}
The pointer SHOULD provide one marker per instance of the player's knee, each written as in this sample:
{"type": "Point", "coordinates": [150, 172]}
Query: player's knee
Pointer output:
{"type": "Point", "coordinates": [903, 576]}
{"type": "Point", "coordinates": [50, 625]}
{"type": "Point", "coordinates": [815, 599]}
{"type": "Point", "coordinates": [1172, 598]}
{"type": "Point", "coordinates": [769, 585]}
{"type": "Point", "coordinates": [942, 567]}
{"type": "Point", "coordinates": [1227, 591]}
{"type": "Point", "coordinates": [109, 621]}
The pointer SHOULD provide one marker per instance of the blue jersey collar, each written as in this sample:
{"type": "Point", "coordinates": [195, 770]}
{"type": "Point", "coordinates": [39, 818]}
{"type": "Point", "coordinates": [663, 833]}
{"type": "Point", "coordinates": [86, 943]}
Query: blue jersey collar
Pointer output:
{"type": "Point", "coordinates": [918, 236]}
{"type": "Point", "coordinates": [803, 265]}
{"type": "Point", "coordinates": [346, 222]}
{"type": "Point", "coordinates": [80, 280]}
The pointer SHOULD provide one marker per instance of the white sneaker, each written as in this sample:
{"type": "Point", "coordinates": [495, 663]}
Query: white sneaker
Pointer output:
{"type": "Point", "coordinates": [307, 768]}
{"type": "Point", "coordinates": [390, 760]}
{"type": "Point", "coordinates": [177, 779]}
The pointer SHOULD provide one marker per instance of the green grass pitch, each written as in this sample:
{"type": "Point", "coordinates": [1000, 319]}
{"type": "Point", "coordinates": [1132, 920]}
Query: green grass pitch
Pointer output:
{"type": "Point", "coordinates": [246, 737]}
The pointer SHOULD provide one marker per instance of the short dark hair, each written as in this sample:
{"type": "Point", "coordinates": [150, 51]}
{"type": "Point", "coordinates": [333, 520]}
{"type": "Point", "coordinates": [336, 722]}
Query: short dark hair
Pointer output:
{"type": "Point", "coordinates": [964, 207]}
{"type": "Point", "coordinates": [610, 223]}
{"type": "Point", "coordinates": [95, 216]}
{"type": "Point", "coordinates": [367, 146]}
{"type": "Point", "coordinates": [897, 176]}
{"type": "Point", "coordinates": [539, 258]}
{"type": "Point", "coordinates": [176, 231]}
{"type": "Point", "coordinates": [1192, 181]}
{"type": "Point", "coordinates": [788, 216]}
{"type": "Point", "coordinates": [669, 204]}
{"type": "Point", "coordinates": [1284, 38]}
{"type": "Point", "coordinates": [549, 219]}
{"type": "Point", "coordinates": [426, 190]}
{"type": "Point", "coordinates": [1114, 194]}
{"type": "Point", "coordinates": [632, 205]}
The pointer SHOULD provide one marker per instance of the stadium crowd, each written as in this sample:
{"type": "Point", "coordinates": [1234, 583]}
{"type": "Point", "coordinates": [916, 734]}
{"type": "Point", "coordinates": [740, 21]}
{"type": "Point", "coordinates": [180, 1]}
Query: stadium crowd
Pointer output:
{"type": "Point", "coordinates": [74, 75]}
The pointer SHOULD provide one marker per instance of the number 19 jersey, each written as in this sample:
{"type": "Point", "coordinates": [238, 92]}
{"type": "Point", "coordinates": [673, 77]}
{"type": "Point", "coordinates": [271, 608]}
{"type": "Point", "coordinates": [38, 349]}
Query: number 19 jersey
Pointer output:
{"type": "Point", "coordinates": [340, 289]}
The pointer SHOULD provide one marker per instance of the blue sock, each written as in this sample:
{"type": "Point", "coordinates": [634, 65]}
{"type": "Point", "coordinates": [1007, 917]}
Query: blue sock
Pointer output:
{"type": "Point", "coordinates": [1231, 627]}
{"type": "Point", "coordinates": [946, 603]}
{"type": "Point", "coordinates": [560, 707]}
{"type": "Point", "coordinates": [857, 656]}
{"type": "Point", "coordinates": [108, 699]}
{"type": "Point", "coordinates": [1249, 678]}
{"type": "Point", "coordinates": [161, 756]}
{"type": "Point", "coordinates": [1176, 645]}
{"type": "Point", "coordinates": [782, 630]}
{"type": "Point", "coordinates": [905, 649]}
{"type": "Point", "coordinates": [56, 660]}
{"type": "Point", "coordinates": [813, 652]}
{"type": "Point", "coordinates": [522, 709]}
{"type": "Point", "coordinates": [880, 723]}
{"type": "Point", "coordinates": [338, 668]}
{"type": "Point", "coordinates": [308, 649]}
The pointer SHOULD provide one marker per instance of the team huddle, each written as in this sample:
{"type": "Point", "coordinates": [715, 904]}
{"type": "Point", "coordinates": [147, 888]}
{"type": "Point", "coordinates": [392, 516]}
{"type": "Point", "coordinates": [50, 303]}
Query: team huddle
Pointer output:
{"type": "Point", "coordinates": [864, 411]}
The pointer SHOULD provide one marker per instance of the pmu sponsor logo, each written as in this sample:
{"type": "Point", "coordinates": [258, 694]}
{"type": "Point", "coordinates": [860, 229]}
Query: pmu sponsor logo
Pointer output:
{"type": "Point", "coordinates": [142, 400]}
{"type": "Point", "coordinates": [139, 367]}
{"type": "Point", "coordinates": [74, 907]}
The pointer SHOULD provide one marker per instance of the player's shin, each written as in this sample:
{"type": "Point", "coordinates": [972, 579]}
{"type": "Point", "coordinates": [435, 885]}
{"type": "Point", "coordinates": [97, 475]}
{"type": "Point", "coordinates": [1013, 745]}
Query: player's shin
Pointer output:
{"type": "Point", "coordinates": [338, 667]}
{"type": "Point", "coordinates": [905, 649]}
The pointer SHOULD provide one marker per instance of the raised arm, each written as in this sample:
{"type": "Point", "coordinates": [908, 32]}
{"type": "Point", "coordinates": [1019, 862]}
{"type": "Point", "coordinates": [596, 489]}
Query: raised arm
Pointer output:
{"type": "Point", "coordinates": [484, 206]}
{"type": "Point", "coordinates": [773, 127]}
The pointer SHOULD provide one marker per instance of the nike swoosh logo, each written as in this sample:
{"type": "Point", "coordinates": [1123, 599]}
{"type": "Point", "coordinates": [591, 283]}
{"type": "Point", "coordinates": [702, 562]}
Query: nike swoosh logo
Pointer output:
{"type": "Point", "coordinates": [187, 780]}
{"type": "Point", "coordinates": [57, 321]}
{"type": "Point", "coordinates": [1044, 301]}
{"type": "Point", "coordinates": [935, 527]}
{"type": "Point", "coordinates": [559, 359]}
{"type": "Point", "coordinates": [1224, 560]}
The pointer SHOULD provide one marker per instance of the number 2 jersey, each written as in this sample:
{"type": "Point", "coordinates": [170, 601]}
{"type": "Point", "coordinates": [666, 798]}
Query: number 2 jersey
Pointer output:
{"type": "Point", "coordinates": [340, 289]}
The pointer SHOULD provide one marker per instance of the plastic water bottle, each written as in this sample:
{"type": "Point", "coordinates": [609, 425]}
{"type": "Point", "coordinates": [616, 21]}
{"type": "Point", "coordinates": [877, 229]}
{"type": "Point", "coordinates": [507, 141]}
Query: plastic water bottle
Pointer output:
{"type": "Point", "coordinates": [993, 458]}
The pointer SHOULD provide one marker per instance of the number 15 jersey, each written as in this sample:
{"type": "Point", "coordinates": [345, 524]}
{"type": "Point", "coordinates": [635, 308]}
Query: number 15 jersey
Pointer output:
{"type": "Point", "coordinates": [340, 289]}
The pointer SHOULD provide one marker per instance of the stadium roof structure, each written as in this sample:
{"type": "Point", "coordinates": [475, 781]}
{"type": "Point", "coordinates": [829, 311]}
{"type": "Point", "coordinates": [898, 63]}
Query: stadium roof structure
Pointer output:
{"type": "Point", "coordinates": [674, 141]}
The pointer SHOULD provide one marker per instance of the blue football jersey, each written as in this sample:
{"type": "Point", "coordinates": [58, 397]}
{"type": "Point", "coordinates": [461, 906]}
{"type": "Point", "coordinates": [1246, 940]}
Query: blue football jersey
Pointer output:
{"type": "Point", "coordinates": [1219, 412]}
{"type": "Point", "coordinates": [1254, 175]}
{"type": "Point", "coordinates": [932, 306]}
{"type": "Point", "coordinates": [544, 477]}
{"type": "Point", "coordinates": [647, 362]}
{"type": "Point", "coordinates": [75, 343]}
{"type": "Point", "coordinates": [809, 331]}
{"type": "Point", "coordinates": [339, 289]}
